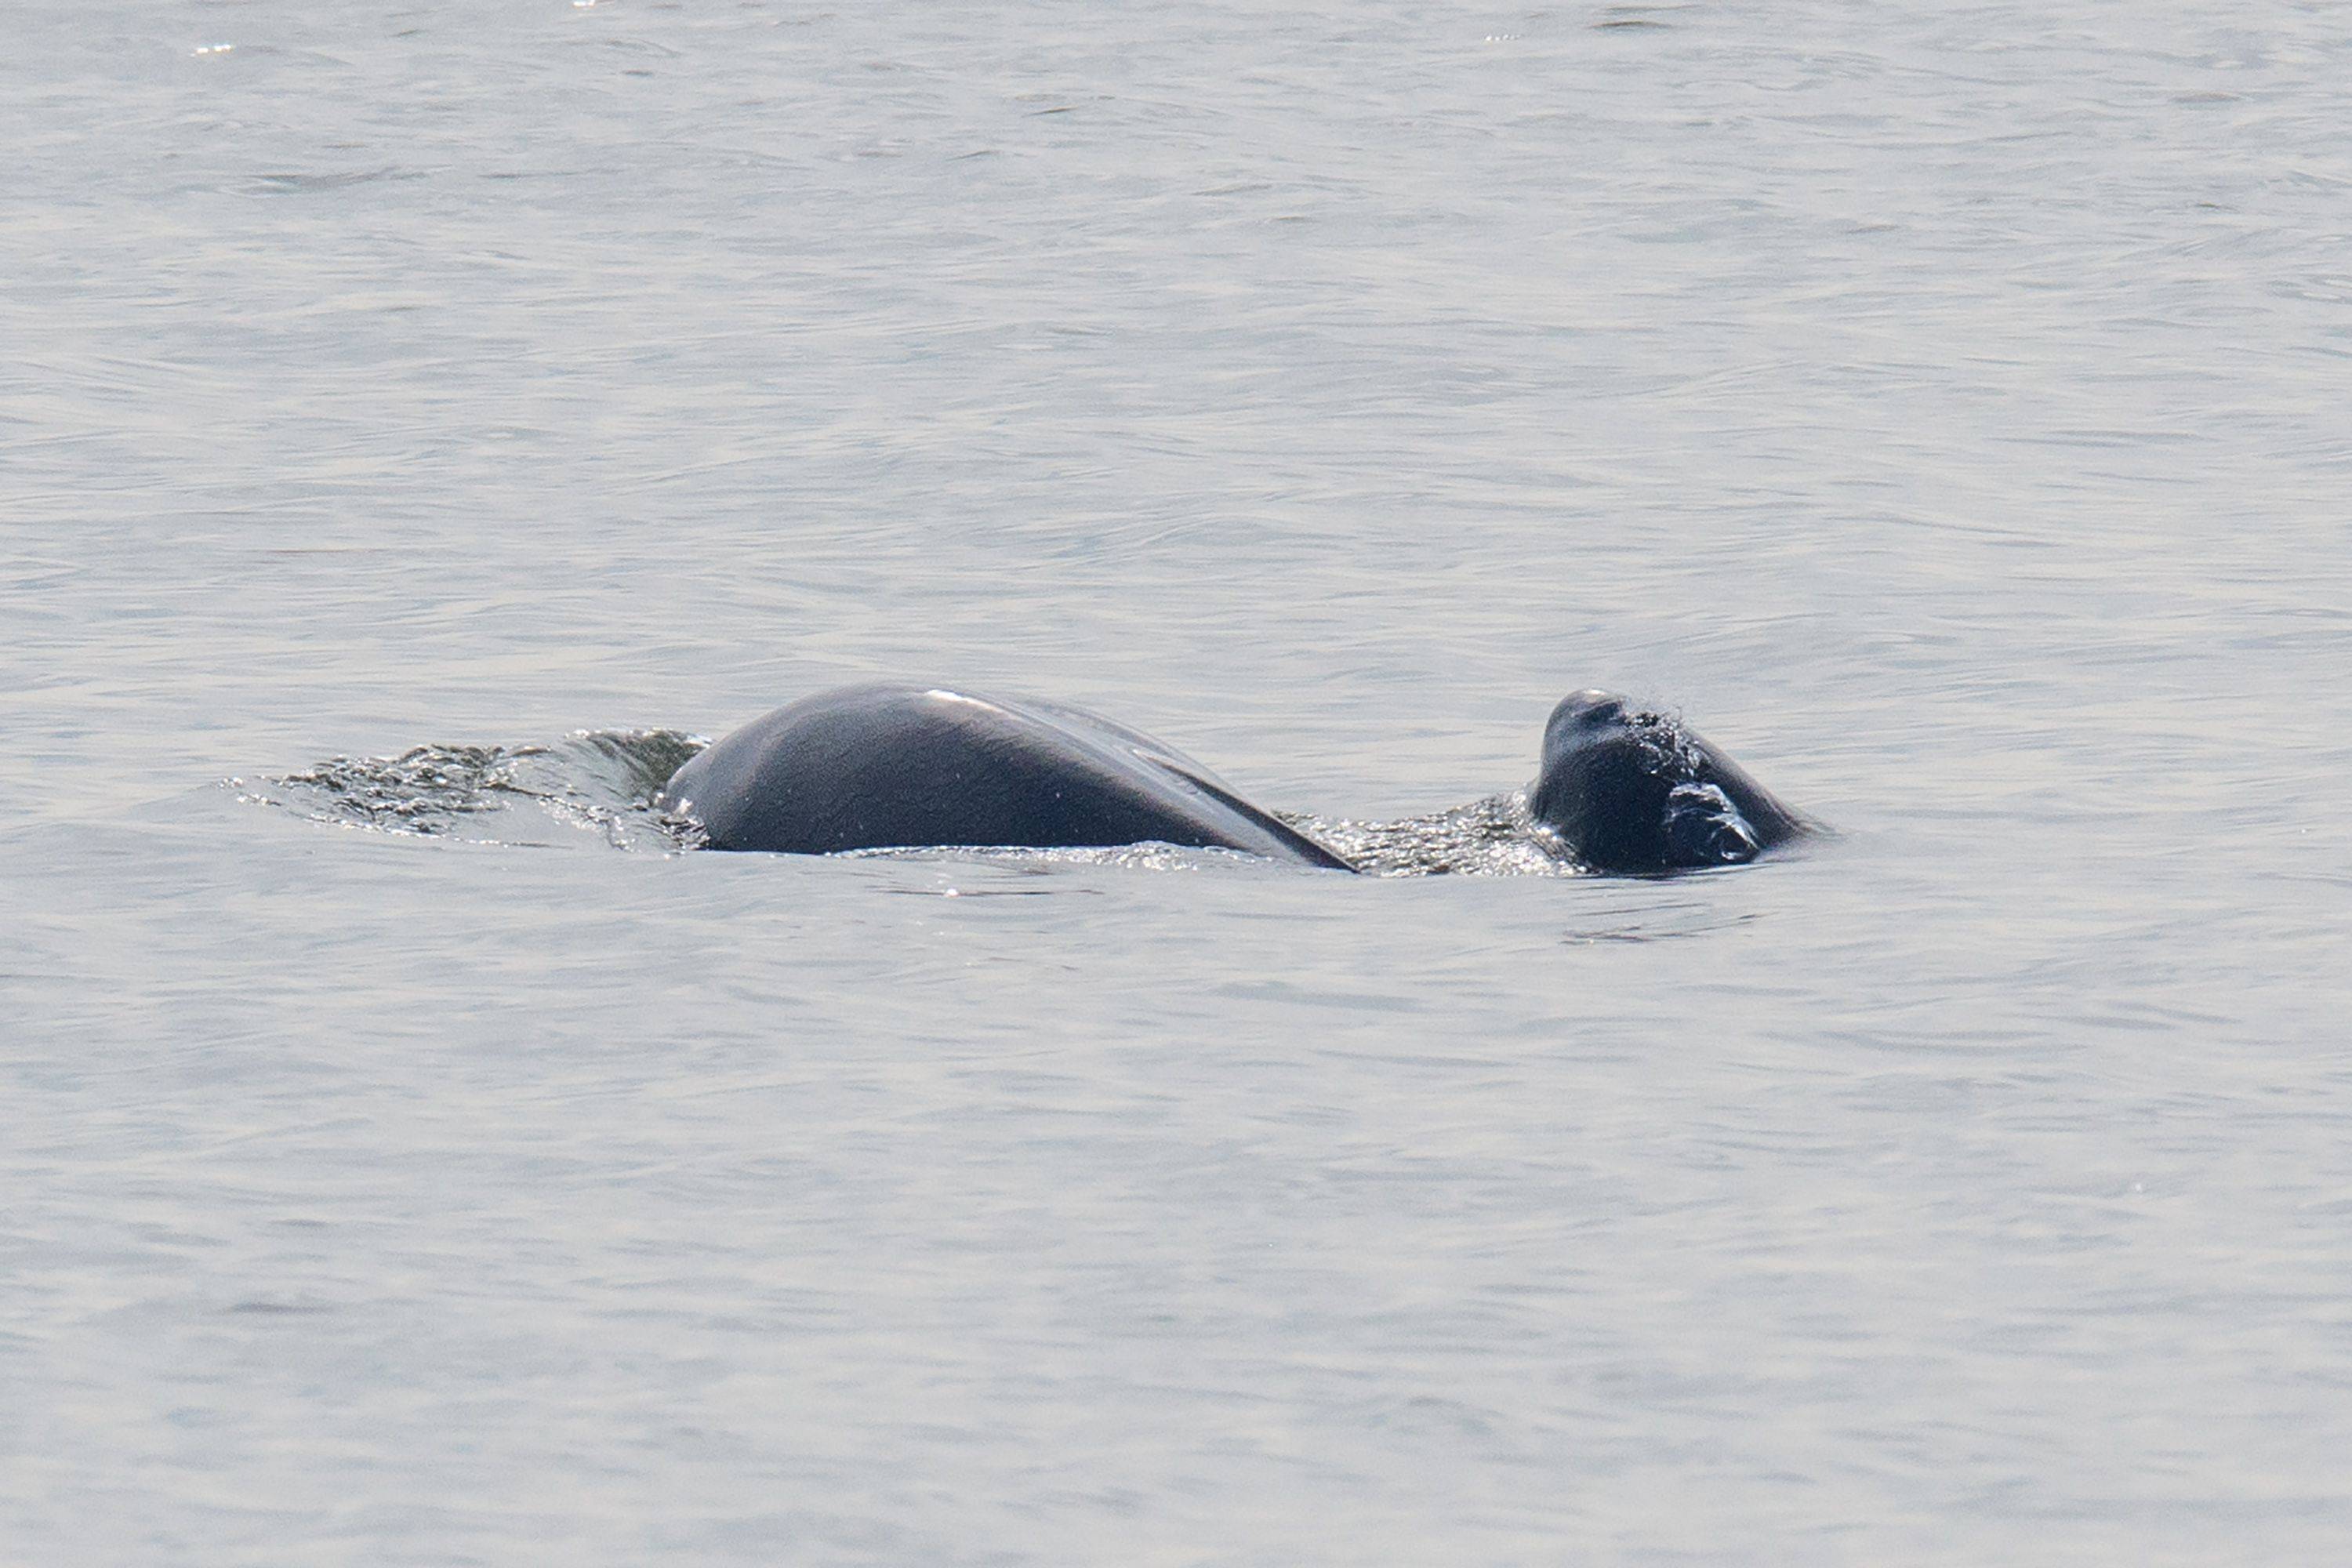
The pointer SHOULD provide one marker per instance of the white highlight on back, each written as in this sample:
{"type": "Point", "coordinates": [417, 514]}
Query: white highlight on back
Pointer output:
{"type": "Point", "coordinates": [944, 696]}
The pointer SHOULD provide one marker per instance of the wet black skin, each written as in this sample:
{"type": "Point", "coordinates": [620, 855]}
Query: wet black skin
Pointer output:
{"type": "Point", "coordinates": [1636, 793]}
{"type": "Point", "coordinates": [873, 767]}
{"type": "Point", "coordinates": [884, 766]}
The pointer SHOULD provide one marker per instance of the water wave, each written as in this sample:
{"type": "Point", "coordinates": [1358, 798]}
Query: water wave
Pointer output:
{"type": "Point", "coordinates": [1491, 837]}
{"type": "Point", "coordinates": [601, 781]}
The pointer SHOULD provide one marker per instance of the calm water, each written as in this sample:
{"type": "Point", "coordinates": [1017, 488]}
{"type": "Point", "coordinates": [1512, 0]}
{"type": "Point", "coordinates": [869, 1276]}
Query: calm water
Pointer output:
{"type": "Point", "coordinates": [1947, 410]}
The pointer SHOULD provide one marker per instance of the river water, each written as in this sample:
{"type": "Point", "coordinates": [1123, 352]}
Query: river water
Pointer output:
{"type": "Point", "coordinates": [1944, 408]}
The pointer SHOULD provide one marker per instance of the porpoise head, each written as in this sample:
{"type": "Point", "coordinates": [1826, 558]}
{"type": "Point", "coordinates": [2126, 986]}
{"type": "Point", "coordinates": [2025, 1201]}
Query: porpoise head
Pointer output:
{"type": "Point", "coordinates": [1627, 791]}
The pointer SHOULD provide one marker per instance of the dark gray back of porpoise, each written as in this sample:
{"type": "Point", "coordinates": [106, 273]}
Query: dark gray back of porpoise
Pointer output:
{"type": "Point", "coordinates": [874, 767]}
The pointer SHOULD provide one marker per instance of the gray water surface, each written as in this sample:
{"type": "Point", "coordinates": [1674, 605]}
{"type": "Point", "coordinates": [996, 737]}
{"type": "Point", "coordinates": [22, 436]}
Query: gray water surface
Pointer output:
{"type": "Point", "coordinates": [1944, 408]}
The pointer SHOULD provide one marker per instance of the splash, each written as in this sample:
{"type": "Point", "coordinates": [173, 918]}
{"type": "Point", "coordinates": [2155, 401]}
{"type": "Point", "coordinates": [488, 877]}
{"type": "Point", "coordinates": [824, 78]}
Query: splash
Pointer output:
{"type": "Point", "coordinates": [1492, 838]}
{"type": "Point", "coordinates": [596, 782]}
